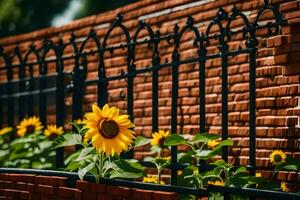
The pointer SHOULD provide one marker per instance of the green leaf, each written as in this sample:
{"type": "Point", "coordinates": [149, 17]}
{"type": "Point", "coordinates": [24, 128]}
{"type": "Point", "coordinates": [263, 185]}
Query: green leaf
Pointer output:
{"type": "Point", "coordinates": [72, 157]}
{"type": "Point", "coordinates": [218, 163]}
{"type": "Point", "coordinates": [174, 140]}
{"type": "Point", "coordinates": [141, 141]}
{"type": "Point", "coordinates": [76, 126]}
{"type": "Point", "coordinates": [237, 181]}
{"type": "Point", "coordinates": [69, 140]}
{"type": "Point", "coordinates": [241, 170]}
{"type": "Point", "coordinates": [85, 152]}
{"type": "Point", "coordinates": [148, 159]}
{"type": "Point", "coordinates": [155, 149]}
{"type": "Point", "coordinates": [127, 170]}
{"type": "Point", "coordinates": [291, 164]}
{"type": "Point", "coordinates": [204, 137]}
{"type": "Point", "coordinates": [83, 171]}
{"type": "Point", "coordinates": [217, 150]}
{"type": "Point", "coordinates": [202, 154]}
{"type": "Point", "coordinates": [185, 157]}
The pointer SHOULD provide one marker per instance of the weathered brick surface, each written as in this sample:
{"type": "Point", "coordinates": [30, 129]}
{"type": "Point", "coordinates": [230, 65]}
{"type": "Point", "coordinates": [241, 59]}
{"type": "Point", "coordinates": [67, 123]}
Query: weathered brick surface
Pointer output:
{"type": "Point", "coordinates": [277, 82]}
{"type": "Point", "coordinates": [84, 190]}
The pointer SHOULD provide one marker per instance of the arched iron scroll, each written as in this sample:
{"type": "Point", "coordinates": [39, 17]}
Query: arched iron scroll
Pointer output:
{"type": "Point", "coordinates": [218, 31]}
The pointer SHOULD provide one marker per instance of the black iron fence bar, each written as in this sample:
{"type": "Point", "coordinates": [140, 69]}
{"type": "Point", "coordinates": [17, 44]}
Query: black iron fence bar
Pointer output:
{"type": "Point", "coordinates": [168, 188]}
{"type": "Point", "coordinates": [43, 70]}
{"type": "Point", "coordinates": [155, 64]}
{"type": "Point", "coordinates": [60, 101]}
{"type": "Point", "coordinates": [174, 103]}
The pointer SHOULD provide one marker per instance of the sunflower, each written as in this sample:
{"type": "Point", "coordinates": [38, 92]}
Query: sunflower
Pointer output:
{"type": "Point", "coordinates": [29, 125]}
{"type": "Point", "coordinates": [6, 130]}
{"type": "Point", "coordinates": [196, 171]}
{"type": "Point", "coordinates": [152, 179]}
{"type": "Point", "coordinates": [258, 174]}
{"type": "Point", "coordinates": [277, 157]}
{"type": "Point", "coordinates": [284, 187]}
{"type": "Point", "coordinates": [109, 132]}
{"type": "Point", "coordinates": [158, 138]}
{"type": "Point", "coordinates": [179, 172]}
{"type": "Point", "coordinates": [53, 130]}
{"type": "Point", "coordinates": [212, 144]}
{"type": "Point", "coordinates": [218, 183]}
{"type": "Point", "coordinates": [79, 121]}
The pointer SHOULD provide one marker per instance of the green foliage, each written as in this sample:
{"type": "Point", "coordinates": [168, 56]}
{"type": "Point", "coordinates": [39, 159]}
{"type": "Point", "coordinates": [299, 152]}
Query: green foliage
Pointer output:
{"type": "Point", "coordinates": [91, 7]}
{"type": "Point", "coordinates": [18, 16]}
{"type": "Point", "coordinates": [88, 160]}
{"type": "Point", "coordinates": [32, 151]}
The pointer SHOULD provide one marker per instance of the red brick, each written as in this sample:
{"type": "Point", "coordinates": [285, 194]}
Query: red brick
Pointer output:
{"type": "Point", "coordinates": [82, 185]}
{"type": "Point", "coordinates": [44, 180]}
{"type": "Point", "coordinates": [65, 192]}
{"type": "Point", "coordinates": [26, 178]}
{"type": "Point", "coordinates": [6, 184]}
{"type": "Point", "coordinates": [45, 189]}
{"type": "Point", "coordinates": [288, 6]}
{"type": "Point", "coordinates": [58, 181]}
{"type": "Point", "coordinates": [100, 188]}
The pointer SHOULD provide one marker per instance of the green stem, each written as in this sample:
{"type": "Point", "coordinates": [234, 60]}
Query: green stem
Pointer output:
{"type": "Point", "coordinates": [100, 167]}
{"type": "Point", "coordinates": [273, 174]}
{"type": "Point", "coordinates": [200, 183]}
{"type": "Point", "coordinates": [158, 174]}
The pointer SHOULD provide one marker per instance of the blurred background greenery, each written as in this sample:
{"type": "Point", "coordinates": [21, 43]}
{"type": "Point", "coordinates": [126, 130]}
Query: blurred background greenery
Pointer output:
{"type": "Point", "coordinates": [20, 16]}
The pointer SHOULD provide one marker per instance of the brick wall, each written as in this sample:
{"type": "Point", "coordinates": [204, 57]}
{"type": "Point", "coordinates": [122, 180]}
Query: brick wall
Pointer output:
{"type": "Point", "coordinates": [36, 187]}
{"type": "Point", "coordinates": [278, 70]}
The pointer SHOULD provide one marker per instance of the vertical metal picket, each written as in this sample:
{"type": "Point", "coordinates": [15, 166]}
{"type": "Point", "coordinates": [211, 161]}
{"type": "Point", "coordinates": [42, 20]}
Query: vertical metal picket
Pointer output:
{"type": "Point", "coordinates": [10, 99]}
{"type": "Point", "coordinates": [30, 88]}
{"type": "Point", "coordinates": [102, 83]}
{"type": "Point", "coordinates": [202, 61]}
{"type": "Point", "coordinates": [22, 86]}
{"type": "Point", "coordinates": [155, 64]}
{"type": "Point", "coordinates": [60, 98]}
{"type": "Point", "coordinates": [79, 75]}
{"type": "Point", "coordinates": [175, 65]}
{"type": "Point", "coordinates": [43, 83]}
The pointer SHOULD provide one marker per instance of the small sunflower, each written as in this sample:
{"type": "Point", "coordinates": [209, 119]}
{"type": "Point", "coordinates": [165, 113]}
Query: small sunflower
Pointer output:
{"type": "Point", "coordinates": [196, 171]}
{"type": "Point", "coordinates": [109, 131]}
{"type": "Point", "coordinates": [29, 125]}
{"type": "Point", "coordinates": [158, 138]}
{"type": "Point", "coordinates": [218, 183]}
{"type": "Point", "coordinates": [284, 187]}
{"type": "Point", "coordinates": [277, 157]}
{"type": "Point", "coordinates": [53, 130]}
{"type": "Point", "coordinates": [212, 144]}
{"type": "Point", "coordinates": [152, 179]}
{"type": "Point", "coordinates": [6, 130]}
{"type": "Point", "coordinates": [79, 121]}
{"type": "Point", "coordinates": [258, 174]}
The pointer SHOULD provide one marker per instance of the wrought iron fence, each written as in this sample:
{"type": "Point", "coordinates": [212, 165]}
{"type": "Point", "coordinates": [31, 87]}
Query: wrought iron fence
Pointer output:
{"type": "Point", "coordinates": [26, 88]}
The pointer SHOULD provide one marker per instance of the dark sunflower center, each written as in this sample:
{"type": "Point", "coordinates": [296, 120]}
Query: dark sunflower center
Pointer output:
{"type": "Point", "coordinates": [277, 158]}
{"type": "Point", "coordinates": [161, 141]}
{"type": "Point", "coordinates": [30, 129]}
{"type": "Point", "coordinates": [108, 128]}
